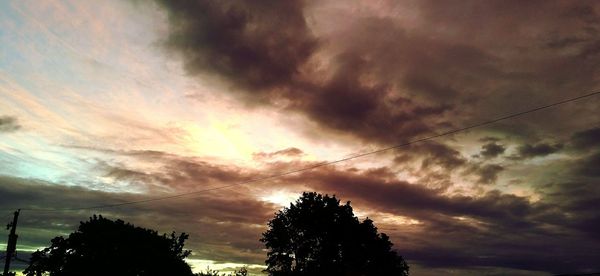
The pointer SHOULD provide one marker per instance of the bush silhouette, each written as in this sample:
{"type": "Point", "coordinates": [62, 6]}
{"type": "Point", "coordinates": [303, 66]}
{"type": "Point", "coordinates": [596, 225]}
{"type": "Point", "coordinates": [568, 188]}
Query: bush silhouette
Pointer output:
{"type": "Point", "coordinates": [104, 247]}
{"type": "Point", "coordinates": [318, 236]}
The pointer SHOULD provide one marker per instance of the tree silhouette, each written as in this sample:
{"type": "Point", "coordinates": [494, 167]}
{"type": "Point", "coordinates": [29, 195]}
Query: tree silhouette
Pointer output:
{"type": "Point", "coordinates": [318, 236]}
{"type": "Point", "coordinates": [104, 247]}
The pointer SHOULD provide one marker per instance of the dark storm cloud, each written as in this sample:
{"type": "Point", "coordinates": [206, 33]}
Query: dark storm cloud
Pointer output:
{"type": "Point", "coordinates": [264, 48]}
{"type": "Point", "coordinates": [536, 150]}
{"type": "Point", "coordinates": [121, 173]}
{"type": "Point", "coordinates": [436, 162]}
{"type": "Point", "coordinates": [488, 173]}
{"type": "Point", "coordinates": [30, 193]}
{"type": "Point", "coordinates": [590, 166]}
{"type": "Point", "coordinates": [489, 139]}
{"type": "Point", "coordinates": [380, 80]}
{"type": "Point", "coordinates": [496, 250]}
{"type": "Point", "coordinates": [8, 124]}
{"type": "Point", "coordinates": [288, 152]}
{"type": "Point", "coordinates": [568, 196]}
{"type": "Point", "coordinates": [169, 173]}
{"type": "Point", "coordinates": [401, 197]}
{"type": "Point", "coordinates": [491, 150]}
{"type": "Point", "coordinates": [194, 173]}
{"type": "Point", "coordinates": [431, 155]}
{"type": "Point", "coordinates": [485, 173]}
{"type": "Point", "coordinates": [527, 30]}
{"type": "Point", "coordinates": [371, 111]}
{"type": "Point", "coordinates": [441, 155]}
{"type": "Point", "coordinates": [255, 45]}
{"type": "Point", "coordinates": [578, 193]}
{"type": "Point", "coordinates": [587, 139]}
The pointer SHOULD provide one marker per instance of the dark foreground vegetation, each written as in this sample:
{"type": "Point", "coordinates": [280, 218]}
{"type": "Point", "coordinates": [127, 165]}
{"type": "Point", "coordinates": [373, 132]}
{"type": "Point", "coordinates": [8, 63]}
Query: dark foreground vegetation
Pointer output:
{"type": "Point", "coordinates": [316, 235]}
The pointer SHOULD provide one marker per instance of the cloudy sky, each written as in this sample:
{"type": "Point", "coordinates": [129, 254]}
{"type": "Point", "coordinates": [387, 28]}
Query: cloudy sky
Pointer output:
{"type": "Point", "coordinates": [103, 103]}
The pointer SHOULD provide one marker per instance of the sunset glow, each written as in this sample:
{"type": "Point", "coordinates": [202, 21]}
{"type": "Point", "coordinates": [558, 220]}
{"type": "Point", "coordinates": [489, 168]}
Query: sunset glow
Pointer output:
{"type": "Point", "coordinates": [117, 101]}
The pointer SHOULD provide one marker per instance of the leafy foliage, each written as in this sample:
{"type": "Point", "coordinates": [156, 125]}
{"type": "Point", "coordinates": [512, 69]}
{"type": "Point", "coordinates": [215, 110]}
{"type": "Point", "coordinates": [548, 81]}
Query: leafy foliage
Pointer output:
{"type": "Point", "coordinates": [104, 247]}
{"type": "Point", "coordinates": [318, 236]}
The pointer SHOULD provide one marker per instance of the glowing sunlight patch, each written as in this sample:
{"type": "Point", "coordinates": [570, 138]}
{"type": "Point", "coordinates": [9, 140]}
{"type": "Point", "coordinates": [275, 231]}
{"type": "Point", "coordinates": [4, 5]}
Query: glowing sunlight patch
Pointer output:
{"type": "Point", "coordinates": [397, 220]}
{"type": "Point", "coordinates": [218, 139]}
{"type": "Point", "coordinates": [199, 265]}
{"type": "Point", "coordinates": [281, 198]}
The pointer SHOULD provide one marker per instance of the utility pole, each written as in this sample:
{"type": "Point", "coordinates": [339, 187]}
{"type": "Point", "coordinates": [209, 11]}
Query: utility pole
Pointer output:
{"type": "Point", "coordinates": [11, 247]}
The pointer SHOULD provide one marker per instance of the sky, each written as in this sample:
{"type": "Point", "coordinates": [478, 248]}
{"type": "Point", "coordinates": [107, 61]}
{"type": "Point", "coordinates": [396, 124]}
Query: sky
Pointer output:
{"type": "Point", "coordinates": [115, 101]}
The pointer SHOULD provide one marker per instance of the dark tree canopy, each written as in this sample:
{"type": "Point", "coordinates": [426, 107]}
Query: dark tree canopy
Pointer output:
{"type": "Point", "coordinates": [104, 247]}
{"type": "Point", "coordinates": [318, 236]}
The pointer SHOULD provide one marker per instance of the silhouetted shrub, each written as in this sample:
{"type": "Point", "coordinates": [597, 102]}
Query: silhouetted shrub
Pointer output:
{"type": "Point", "coordinates": [104, 247]}
{"type": "Point", "coordinates": [318, 236]}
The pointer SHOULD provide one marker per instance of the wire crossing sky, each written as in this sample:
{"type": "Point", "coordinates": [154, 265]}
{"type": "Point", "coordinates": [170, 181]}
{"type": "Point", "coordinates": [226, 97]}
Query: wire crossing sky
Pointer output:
{"type": "Point", "coordinates": [354, 156]}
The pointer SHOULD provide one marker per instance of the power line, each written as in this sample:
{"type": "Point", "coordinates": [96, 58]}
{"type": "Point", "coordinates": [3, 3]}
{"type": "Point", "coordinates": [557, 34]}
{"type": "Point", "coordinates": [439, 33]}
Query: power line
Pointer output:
{"type": "Point", "coordinates": [325, 163]}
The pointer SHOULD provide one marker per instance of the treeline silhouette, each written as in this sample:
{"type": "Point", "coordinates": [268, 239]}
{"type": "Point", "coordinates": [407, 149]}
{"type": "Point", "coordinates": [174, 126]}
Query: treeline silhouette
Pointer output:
{"type": "Point", "coordinates": [316, 235]}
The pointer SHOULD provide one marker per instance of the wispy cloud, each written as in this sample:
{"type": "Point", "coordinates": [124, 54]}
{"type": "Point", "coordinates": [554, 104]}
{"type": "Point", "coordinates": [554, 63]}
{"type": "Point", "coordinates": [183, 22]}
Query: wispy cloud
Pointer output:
{"type": "Point", "coordinates": [9, 124]}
